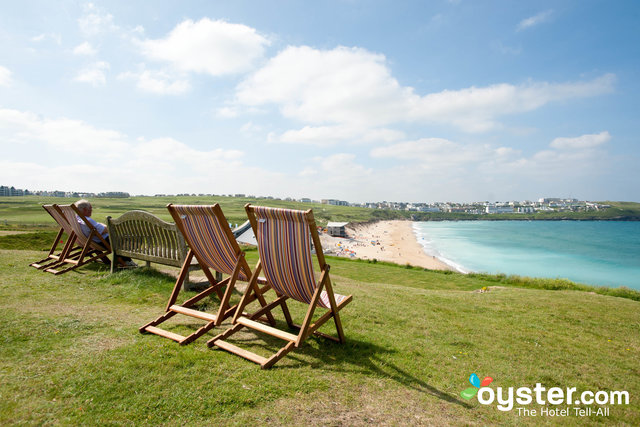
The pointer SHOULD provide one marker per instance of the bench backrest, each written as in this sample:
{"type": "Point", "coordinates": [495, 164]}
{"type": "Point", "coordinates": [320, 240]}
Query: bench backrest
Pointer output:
{"type": "Point", "coordinates": [142, 235]}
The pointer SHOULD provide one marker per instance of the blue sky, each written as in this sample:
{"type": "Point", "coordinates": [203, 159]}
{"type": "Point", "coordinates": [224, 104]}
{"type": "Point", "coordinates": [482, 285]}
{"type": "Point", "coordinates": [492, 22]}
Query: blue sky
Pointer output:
{"type": "Point", "coordinates": [355, 100]}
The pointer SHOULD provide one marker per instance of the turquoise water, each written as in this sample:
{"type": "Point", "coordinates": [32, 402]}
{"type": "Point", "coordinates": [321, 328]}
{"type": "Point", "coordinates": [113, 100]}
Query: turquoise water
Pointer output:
{"type": "Point", "coordinates": [603, 253]}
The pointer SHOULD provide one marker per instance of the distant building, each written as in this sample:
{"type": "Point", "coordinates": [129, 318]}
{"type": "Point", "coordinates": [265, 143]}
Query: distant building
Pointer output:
{"type": "Point", "coordinates": [499, 209]}
{"type": "Point", "coordinates": [114, 194]}
{"type": "Point", "coordinates": [12, 191]}
{"type": "Point", "coordinates": [337, 229]}
{"type": "Point", "coordinates": [526, 209]}
{"type": "Point", "coordinates": [334, 202]}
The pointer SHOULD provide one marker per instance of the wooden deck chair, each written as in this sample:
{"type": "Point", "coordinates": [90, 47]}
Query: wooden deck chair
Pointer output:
{"type": "Point", "coordinates": [69, 249]}
{"type": "Point", "coordinates": [211, 241]}
{"type": "Point", "coordinates": [91, 250]}
{"type": "Point", "coordinates": [284, 245]}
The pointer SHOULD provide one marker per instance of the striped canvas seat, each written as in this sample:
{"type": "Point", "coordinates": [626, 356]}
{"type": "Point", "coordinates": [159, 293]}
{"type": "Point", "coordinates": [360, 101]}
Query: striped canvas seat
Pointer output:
{"type": "Point", "coordinates": [285, 238]}
{"type": "Point", "coordinates": [208, 239]}
{"type": "Point", "coordinates": [284, 245]}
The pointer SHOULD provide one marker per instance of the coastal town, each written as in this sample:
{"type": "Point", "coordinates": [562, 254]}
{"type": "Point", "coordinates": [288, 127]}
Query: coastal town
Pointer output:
{"type": "Point", "coordinates": [547, 204]}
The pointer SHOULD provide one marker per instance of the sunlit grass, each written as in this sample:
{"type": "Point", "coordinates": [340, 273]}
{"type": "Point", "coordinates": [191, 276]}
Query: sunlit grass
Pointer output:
{"type": "Point", "coordinates": [70, 351]}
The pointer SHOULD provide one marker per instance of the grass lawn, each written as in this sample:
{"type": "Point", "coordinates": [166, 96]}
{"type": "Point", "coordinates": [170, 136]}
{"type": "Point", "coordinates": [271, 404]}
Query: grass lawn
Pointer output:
{"type": "Point", "coordinates": [70, 352]}
{"type": "Point", "coordinates": [27, 211]}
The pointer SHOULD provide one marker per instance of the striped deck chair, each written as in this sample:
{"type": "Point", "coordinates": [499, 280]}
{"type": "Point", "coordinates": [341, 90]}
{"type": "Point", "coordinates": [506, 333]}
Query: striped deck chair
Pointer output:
{"type": "Point", "coordinates": [69, 249]}
{"type": "Point", "coordinates": [284, 245]}
{"type": "Point", "coordinates": [211, 241]}
{"type": "Point", "coordinates": [90, 249]}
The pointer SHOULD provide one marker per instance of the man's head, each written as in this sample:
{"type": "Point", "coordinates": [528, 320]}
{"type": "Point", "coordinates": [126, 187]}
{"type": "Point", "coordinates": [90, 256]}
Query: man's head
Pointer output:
{"type": "Point", "coordinates": [84, 207]}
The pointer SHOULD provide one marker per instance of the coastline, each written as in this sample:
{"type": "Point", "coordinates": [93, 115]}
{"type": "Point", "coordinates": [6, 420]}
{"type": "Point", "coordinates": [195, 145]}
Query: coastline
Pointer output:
{"type": "Point", "coordinates": [393, 241]}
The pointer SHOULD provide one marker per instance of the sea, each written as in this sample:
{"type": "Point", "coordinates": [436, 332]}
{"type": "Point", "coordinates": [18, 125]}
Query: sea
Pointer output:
{"type": "Point", "coordinates": [602, 253]}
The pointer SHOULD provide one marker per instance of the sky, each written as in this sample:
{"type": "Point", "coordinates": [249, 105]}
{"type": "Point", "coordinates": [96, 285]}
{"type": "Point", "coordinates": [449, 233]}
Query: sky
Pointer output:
{"type": "Point", "coordinates": [415, 101]}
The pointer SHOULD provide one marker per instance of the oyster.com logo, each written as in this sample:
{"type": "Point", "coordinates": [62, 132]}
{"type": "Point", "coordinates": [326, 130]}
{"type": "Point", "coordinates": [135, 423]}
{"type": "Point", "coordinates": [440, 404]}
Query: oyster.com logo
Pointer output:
{"type": "Point", "coordinates": [554, 401]}
{"type": "Point", "coordinates": [475, 382]}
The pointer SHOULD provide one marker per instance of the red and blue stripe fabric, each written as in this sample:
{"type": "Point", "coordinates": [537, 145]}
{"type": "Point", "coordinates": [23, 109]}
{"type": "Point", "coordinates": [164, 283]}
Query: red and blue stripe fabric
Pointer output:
{"type": "Point", "coordinates": [284, 246]}
{"type": "Point", "coordinates": [206, 237]}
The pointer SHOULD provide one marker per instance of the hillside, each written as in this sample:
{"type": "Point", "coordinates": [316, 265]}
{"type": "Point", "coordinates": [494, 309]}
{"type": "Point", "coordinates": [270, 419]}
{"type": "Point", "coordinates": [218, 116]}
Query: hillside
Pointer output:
{"type": "Point", "coordinates": [71, 351]}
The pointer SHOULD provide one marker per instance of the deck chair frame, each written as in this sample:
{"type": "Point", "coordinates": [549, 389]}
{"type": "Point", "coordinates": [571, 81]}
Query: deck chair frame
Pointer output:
{"type": "Point", "coordinates": [69, 249]}
{"type": "Point", "coordinates": [215, 285]}
{"type": "Point", "coordinates": [89, 249]}
{"type": "Point", "coordinates": [308, 326]}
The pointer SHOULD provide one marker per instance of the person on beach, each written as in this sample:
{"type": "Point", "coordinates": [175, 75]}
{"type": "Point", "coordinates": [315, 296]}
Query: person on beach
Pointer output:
{"type": "Point", "coordinates": [85, 208]}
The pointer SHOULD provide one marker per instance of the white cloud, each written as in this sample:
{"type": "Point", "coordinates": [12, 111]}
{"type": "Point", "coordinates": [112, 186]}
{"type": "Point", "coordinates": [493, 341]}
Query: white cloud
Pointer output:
{"type": "Point", "coordinates": [56, 38]}
{"type": "Point", "coordinates": [59, 134]}
{"type": "Point", "coordinates": [84, 49]}
{"type": "Point", "coordinates": [70, 154]}
{"type": "Point", "coordinates": [354, 87]}
{"type": "Point", "coordinates": [212, 47]}
{"type": "Point", "coordinates": [5, 76]}
{"type": "Point", "coordinates": [535, 20]}
{"type": "Point", "coordinates": [95, 20]}
{"type": "Point", "coordinates": [94, 74]}
{"type": "Point", "coordinates": [475, 171]}
{"type": "Point", "coordinates": [227, 112]}
{"type": "Point", "coordinates": [343, 85]}
{"type": "Point", "coordinates": [331, 135]}
{"type": "Point", "coordinates": [158, 82]}
{"type": "Point", "coordinates": [340, 174]}
{"type": "Point", "coordinates": [439, 154]}
{"type": "Point", "coordinates": [581, 142]}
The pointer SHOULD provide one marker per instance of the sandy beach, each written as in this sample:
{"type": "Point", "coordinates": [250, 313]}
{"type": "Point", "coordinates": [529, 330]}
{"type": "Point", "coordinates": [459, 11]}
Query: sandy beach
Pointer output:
{"type": "Point", "coordinates": [392, 241]}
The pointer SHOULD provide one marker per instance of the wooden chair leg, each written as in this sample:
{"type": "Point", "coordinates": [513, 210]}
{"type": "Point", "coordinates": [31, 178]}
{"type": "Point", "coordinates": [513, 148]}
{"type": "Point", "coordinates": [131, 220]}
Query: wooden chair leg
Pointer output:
{"type": "Point", "coordinates": [279, 355]}
{"type": "Point", "coordinates": [334, 309]}
{"type": "Point", "coordinates": [177, 287]}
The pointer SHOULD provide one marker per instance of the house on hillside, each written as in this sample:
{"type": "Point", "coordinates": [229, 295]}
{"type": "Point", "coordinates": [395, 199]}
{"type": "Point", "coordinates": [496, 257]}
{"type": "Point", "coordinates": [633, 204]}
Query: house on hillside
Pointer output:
{"type": "Point", "coordinates": [337, 229]}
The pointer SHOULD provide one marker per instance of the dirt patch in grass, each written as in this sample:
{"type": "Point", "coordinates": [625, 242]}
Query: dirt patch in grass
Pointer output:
{"type": "Point", "coordinates": [363, 405]}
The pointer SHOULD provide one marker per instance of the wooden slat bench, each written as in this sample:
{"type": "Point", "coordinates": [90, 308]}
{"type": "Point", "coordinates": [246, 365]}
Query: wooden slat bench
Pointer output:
{"type": "Point", "coordinates": [143, 236]}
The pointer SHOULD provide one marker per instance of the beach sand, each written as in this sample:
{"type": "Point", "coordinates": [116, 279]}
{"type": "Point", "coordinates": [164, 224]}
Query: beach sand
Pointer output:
{"type": "Point", "coordinates": [392, 241]}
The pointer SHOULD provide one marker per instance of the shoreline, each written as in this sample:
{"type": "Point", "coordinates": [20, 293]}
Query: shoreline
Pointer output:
{"type": "Point", "coordinates": [393, 241]}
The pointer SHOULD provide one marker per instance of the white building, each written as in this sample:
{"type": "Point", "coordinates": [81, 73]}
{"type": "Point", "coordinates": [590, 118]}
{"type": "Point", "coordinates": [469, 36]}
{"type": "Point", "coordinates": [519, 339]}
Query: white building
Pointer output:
{"type": "Point", "coordinates": [492, 209]}
{"type": "Point", "coordinates": [337, 229]}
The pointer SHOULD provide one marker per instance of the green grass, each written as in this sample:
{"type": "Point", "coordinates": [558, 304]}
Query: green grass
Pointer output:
{"type": "Point", "coordinates": [40, 240]}
{"type": "Point", "coordinates": [26, 212]}
{"type": "Point", "coordinates": [70, 352]}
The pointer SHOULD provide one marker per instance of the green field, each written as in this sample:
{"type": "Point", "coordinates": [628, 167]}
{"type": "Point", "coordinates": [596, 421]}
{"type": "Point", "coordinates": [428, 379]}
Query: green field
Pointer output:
{"type": "Point", "coordinates": [70, 351]}
{"type": "Point", "coordinates": [21, 212]}
{"type": "Point", "coordinates": [27, 211]}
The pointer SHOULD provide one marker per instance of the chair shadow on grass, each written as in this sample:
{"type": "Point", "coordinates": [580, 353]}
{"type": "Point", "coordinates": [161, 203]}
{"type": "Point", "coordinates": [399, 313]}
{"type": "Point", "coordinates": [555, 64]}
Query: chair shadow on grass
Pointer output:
{"type": "Point", "coordinates": [354, 356]}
